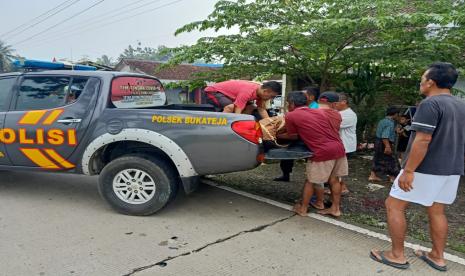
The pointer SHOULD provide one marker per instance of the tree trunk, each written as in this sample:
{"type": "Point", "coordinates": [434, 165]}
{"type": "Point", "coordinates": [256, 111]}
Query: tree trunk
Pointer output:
{"type": "Point", "coordinates": [324, 82]}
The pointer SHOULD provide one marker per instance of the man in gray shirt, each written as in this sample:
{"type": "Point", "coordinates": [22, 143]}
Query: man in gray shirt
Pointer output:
{"type": "Point", "coordinates": [432, 170]}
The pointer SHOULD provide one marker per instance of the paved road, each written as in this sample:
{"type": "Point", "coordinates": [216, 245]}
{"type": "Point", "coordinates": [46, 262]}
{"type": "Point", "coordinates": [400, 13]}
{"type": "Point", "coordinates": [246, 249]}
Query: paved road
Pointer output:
{"type": "Point", "coordinates": [52, 224]}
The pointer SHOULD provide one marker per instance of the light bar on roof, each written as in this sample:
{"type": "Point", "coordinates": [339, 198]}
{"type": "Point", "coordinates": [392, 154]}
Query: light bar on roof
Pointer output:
{"type": "Point", "coordinates": [47, 65]}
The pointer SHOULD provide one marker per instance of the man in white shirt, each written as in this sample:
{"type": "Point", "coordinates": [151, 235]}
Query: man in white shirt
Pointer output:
{"type": "Point", "coordinates": [348, 130]}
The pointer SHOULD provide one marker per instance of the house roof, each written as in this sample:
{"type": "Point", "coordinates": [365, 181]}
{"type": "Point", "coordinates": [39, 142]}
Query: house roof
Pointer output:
{"type": "Point", "coordinates": [176, 72]}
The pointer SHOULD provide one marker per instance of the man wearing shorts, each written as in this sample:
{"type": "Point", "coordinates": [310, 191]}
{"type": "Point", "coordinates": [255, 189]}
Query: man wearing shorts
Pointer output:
{"type": "Point", "coordinates": [319, 129]}
{"type": "Point", "coordinates": [348, 131]}
{"type": "Point", "coordinates": [286, 166]}
{"type": "Point", "coordinates": [240, 96]}
{"type": "Point", "coordinates": [431, 170]}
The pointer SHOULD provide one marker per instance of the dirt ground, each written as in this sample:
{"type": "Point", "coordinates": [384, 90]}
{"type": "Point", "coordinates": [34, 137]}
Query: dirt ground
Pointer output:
{"type": "Point", "coordinates": [364, 205]}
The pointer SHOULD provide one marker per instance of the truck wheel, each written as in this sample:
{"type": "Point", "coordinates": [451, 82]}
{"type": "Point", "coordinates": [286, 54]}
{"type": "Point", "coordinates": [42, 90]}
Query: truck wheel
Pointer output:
{"type": "Point", "coordinates": [137, 185]}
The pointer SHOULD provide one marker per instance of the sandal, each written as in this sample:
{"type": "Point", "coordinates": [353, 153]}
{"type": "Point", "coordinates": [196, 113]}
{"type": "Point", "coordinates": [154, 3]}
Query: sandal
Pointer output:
{"type": "Point", "coordinates": [385, 261]}
{"type": "Point", "coordinates": [424, 257]}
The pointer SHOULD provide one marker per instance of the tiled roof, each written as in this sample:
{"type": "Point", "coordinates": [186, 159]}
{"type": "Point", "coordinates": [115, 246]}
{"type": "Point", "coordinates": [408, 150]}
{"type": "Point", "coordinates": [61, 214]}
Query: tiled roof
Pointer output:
{"type": "Point", "coordinates": [177, 72]}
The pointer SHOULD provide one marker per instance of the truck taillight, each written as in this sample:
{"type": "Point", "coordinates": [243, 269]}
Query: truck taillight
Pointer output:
{"type": "Point", "coordinates": [249, 130]}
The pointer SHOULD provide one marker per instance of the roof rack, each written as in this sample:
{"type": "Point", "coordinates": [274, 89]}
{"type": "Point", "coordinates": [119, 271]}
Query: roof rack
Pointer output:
{"type": "Point", "coordinates": [37, 65]}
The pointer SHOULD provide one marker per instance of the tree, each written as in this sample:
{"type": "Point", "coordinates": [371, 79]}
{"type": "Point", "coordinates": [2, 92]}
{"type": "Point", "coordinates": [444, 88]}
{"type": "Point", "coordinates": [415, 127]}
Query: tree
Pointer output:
{"type": "Point", "coordinates": [364, 47]}
{"type": "Point", "coordinates": [322, 41]}
{"type": "Point", "coordinates": [6, 57]}
{"type": "Point", "coordinates": [146, 53]}
{"type": "Point", "coordinates": [105, 60]}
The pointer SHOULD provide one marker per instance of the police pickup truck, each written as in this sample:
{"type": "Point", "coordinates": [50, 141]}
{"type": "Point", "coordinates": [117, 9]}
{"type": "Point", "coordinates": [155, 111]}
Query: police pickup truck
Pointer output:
{"type": "Point", "coordinates": [117, 125]}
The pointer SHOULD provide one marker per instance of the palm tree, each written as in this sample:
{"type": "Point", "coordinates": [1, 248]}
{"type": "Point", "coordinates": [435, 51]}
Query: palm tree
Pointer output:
{"type": "Point", "coordinates": [105, 60]}
{"type": "Point", "coordinates": [6, 56]}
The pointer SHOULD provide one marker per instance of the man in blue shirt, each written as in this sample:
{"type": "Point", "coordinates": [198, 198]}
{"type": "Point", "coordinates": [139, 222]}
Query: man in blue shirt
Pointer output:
{"type": "Point", "coordinates": [312, 94]}
{"type": "Point", "coordinates": [384, 161]}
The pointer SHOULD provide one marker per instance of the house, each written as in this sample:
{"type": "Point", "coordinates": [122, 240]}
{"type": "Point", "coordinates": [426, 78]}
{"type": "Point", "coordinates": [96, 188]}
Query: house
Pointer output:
{"type": "Point", "coordinates": [177, 73]}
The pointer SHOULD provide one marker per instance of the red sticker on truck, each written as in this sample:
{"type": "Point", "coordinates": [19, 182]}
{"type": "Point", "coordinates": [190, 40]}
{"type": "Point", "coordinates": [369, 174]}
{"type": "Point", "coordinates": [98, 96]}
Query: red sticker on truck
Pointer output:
{"type": "Point", "coordinates": [136, 92]}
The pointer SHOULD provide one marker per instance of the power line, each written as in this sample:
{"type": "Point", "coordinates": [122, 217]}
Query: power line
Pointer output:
{"type": "Point", "coordinates": [115, 21]}
{"type": "Point", "coordinates": [103, 17]}
{"type": "Point", "coordinates": [59, 23]}
{"type": "Point", "coordinates": [32, 20]}
{"type": "Point", "coordinates": [33, 24]}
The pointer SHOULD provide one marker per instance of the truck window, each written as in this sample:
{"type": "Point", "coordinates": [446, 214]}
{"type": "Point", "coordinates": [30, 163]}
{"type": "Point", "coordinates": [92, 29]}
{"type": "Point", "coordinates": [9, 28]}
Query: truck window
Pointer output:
{"type": "Point", "coordinates": [37, 93]}
{"type": "Point", "coordinates": [5, 87]}
{"type": "Point", "coordinates": [137, 92]}
{"type": "Point", "coordinates": [75, 89]}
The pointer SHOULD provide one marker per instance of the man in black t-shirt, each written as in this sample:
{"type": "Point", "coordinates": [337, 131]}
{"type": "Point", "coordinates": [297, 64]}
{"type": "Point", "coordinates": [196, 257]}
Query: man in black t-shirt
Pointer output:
{"type": "Point", "coordinates": [432, 168]}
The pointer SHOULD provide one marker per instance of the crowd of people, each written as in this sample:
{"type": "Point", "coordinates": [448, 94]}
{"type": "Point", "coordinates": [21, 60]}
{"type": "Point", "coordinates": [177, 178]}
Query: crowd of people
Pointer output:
{"type": "Point", "coordinates": [325, 123]}
{"type": "Point", "coordinates": [433, 157]}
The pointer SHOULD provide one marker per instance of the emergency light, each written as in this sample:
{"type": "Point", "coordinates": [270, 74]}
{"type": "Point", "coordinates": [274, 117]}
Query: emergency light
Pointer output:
{"type": "Point", "coordinates": [30, 64]}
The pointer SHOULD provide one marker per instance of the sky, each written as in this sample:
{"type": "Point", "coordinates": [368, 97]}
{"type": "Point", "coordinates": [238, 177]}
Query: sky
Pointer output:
{"type": "Point", "coordinates": [76, 29]}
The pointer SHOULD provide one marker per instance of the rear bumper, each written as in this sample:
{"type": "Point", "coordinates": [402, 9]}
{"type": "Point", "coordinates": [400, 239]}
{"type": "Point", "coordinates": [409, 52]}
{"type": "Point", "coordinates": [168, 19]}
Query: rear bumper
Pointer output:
{"type": "Point", "coordinates": [296, 150]}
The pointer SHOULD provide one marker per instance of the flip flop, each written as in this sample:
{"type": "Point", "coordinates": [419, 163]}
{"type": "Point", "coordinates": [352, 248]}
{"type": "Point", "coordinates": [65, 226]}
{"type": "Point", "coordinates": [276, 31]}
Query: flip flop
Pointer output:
{"type": "Point", "coordinates": [328, 214]}
{"type": "Point", "coordinates": [424, 257]}
{"type": "Point", "coordinates": [316, 207]}
{"type": "Point", "coordinates": [385, 261]}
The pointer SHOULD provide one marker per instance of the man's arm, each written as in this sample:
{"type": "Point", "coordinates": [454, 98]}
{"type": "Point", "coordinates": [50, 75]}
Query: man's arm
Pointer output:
{"type": "Point", "coordinates": [385, 136]}
{"type": "Point", "coordinates": [291, 129]}
{"type": "Point", "coordinates": [287, 136]}
{"type": "Point", "coordinates": [261, 108]}
{"type": "Point", "coordinates": [416, 156]}
{"type": "Point", "coordinates": [237, 109]}
{"type": "Point", "coordinates": [347, 121]}
{"type": "Point", "coordinates": [387, 147]}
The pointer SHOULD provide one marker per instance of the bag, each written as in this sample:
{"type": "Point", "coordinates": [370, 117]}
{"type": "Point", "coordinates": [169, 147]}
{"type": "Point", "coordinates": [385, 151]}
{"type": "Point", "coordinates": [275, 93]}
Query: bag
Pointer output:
{"type": "Point", "coordinates": [271, 127]}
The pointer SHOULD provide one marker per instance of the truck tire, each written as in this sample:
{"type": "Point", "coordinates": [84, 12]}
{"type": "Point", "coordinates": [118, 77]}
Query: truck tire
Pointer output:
{"type": "Point", "coordinates": [137, 185]}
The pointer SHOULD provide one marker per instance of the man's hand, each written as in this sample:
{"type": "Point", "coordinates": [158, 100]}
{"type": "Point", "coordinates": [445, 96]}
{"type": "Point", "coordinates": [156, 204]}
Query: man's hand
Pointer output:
{"type": "Point", "coordinates": [388, 151]}
{"type": "Point", "coordinates": [406, 181]}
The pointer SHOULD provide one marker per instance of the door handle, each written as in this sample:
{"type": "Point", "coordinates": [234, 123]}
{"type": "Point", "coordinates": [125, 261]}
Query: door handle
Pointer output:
{"type": "Point", "coordinates": [69, 121]}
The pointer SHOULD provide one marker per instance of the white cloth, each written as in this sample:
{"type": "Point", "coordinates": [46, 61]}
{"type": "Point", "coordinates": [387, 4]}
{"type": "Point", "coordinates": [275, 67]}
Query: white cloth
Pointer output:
{"type": "Point", "coordinates": [348, 131]}
{"type": "Point", "coordinates": [428, 188]}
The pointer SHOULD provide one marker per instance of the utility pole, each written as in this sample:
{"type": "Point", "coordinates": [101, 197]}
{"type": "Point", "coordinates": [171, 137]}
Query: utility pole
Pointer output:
{"type": "Point", "coordinates": [283, 92]}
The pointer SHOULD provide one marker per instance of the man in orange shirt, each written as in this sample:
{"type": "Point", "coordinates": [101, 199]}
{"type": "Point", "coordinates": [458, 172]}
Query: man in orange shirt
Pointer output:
{"type": "Point", "coordinates": [240, 96]}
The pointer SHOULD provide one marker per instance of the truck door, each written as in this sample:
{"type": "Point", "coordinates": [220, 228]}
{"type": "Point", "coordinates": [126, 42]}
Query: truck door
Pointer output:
{"type": "Point", "coordinates": [6, 87]}
{"type": "Point", "coordinates": [48, 118]}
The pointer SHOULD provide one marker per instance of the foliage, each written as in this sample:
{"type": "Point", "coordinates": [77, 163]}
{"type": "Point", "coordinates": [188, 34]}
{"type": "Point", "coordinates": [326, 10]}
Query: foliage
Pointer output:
{"type": "Point", "coordinates": [329, 42]}
{"type": "Point", "coordinates": [146, 53]}
{"type": "Point", "coordinates": [105, 60]}
{"type": "Point", "coordinates": [6, 57]}
{"type": "Point", "coordinates": [189, 85]}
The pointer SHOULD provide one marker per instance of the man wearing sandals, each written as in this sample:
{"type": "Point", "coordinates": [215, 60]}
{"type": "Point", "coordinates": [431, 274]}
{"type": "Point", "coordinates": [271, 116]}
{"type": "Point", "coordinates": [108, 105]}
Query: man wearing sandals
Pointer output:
{"type": "Point", "coordinates": [319, 129]}
{"type": "Point", "coordinates": [432, 169]}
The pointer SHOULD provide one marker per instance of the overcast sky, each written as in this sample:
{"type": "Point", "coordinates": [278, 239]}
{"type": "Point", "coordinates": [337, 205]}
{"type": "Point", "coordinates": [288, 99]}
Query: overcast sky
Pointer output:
{"type": "Point", "coordinates": [106, 28]}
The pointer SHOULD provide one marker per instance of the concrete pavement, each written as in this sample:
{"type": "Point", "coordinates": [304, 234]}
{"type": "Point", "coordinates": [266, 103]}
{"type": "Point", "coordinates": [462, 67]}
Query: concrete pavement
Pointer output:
{"type": "Point", "coordinates": [53, 224]}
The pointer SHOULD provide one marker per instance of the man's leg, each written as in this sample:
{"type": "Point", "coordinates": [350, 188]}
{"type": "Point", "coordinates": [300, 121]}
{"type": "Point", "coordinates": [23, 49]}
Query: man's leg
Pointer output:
{"type": "Point", "coordinates": [320, 197]}
{"type": "Point", "coordinates": [307, 193]}
{"type": "Point", "coordinates": [392, 167]}
{"type": "Point", "coordinates": [249, 109]}
{"type": "Point", "coordinates": [229, 108]}
{"type": "Point", "coordinates": [286, 168]}
{"type": "Point", "coordinates": [438, 231]}
{"type": "Point", "coordinates": [344, 189]}
{"type": "Point", "coordinates": [397, 225]}
{"type": "Point", "coordinates": [335, 209]}
{"type": "Point", "coordinates": [377, 165]}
